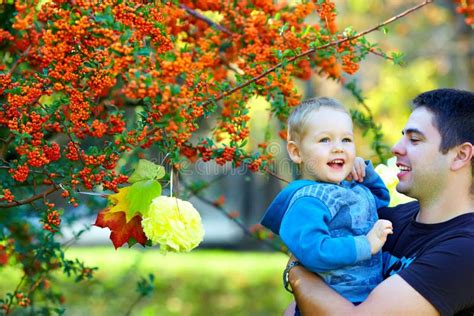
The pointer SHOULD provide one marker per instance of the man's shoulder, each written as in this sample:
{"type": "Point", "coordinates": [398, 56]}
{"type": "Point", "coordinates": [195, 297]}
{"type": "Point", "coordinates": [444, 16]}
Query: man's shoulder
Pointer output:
{"type": "Point", "coordinates": [405, 207]}
{"type": "Point", "coordinates": [399, 212]}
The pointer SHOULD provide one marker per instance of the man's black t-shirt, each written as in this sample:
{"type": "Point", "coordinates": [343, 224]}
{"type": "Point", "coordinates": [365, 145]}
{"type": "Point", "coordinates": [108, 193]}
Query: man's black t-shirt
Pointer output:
{"type": "Point", "coordinates": [437, 260]}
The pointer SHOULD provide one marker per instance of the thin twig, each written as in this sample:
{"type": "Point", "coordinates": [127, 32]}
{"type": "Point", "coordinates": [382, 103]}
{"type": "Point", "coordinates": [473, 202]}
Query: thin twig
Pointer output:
{"type": "Point", "coordinates": [273, 174]}
{"type": "Point", "coordinates": [132, 306]}
{"type": "Point", "coordinates": [17, 62]}
{"type": "Point", "coordinates": [312, 50]}
{"type": "Point", "coordinates": [227, 214]}
{"type": "Point", "coordinates": [9, 306]}
{"type": "Point", "coordinates": [205, 19]}
{"type": "Point", "coordinates": [36, 284]}
{"type": "Point", "coordinates": [239, 223]}
{"type": "Point", "coordinates": [380, 54]}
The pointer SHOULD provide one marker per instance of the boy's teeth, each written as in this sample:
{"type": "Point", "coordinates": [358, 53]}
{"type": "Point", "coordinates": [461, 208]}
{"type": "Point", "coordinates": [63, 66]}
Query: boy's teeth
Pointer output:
{"type": "Point", "coordinates": [337, 161]}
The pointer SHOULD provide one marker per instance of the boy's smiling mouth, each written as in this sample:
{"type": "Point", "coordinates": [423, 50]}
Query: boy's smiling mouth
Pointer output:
{"type": "Point", "coordinates": [336, 163]}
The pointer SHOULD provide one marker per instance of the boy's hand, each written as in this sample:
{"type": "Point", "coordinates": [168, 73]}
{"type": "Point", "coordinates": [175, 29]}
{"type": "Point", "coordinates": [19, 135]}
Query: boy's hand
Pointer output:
{"type": "Point", "coordinates": [358, 171]}
{"type": "Point", "coordinates": [378, 234]}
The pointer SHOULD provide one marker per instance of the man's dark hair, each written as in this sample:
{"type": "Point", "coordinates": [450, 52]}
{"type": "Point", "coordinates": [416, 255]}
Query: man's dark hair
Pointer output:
{"type": "Point", "coordinates": [453, 115]}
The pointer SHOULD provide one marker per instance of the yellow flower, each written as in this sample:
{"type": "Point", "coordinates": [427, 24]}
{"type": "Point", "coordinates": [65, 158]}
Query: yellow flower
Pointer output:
{"type": "Point", "coordinates": [388, 173]}
{"type": "Point", "coordinates": [174, 224]}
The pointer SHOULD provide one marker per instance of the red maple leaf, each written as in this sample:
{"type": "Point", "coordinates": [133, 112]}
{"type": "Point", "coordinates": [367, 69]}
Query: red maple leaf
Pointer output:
{"type": "Point", "coordinates": [3, 256]}
{"type": "Point", "coordinates": [121, 231]}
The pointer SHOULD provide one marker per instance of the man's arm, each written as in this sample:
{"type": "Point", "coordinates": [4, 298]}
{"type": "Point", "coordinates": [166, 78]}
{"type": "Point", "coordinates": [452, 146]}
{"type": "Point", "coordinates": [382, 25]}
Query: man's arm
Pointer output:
{"type": "Point", "coordinates": [393, 296]}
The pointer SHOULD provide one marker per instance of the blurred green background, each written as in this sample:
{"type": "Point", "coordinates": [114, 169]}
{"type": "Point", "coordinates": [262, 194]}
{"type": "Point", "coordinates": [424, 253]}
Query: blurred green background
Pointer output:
{"type": "Point", "coordinates": [203, 282]}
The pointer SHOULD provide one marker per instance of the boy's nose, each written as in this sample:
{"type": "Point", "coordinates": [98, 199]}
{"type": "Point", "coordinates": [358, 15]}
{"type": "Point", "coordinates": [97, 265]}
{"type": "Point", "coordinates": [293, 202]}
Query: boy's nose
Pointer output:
{"type": "Point", "coordinates": [337, 148]}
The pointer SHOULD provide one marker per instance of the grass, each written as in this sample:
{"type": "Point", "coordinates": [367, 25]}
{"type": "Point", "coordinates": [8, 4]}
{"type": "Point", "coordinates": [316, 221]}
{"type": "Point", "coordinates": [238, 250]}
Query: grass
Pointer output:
{"type": "Point", "coordinates": [203, 282]}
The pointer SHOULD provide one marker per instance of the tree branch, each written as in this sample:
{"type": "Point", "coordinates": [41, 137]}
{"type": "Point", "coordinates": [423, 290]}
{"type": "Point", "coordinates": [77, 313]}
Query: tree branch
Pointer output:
{"type": "Point", "coordinates": [4, 149]}
{"type": "Point", "coordinates": [35, 197]}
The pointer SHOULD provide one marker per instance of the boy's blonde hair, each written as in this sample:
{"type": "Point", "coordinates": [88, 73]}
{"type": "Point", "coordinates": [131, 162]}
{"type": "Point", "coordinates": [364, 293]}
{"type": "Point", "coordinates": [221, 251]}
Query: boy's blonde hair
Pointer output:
{"type": "Point", "coordinates": [298, 118]}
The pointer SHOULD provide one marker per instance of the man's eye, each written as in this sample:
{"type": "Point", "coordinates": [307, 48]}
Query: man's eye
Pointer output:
{"type": "Point", "coordinates": [414, 140]}
{"type": "Point", "coordinates": [324, 140]}
{"type": "Point", "coordinates": [347, 140]}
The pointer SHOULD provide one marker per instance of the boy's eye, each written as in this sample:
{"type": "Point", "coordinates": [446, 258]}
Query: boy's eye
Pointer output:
{"type": "Point", "coordinates": [347, 140]}
{"type": "Point", "coordinates": [324, 140]}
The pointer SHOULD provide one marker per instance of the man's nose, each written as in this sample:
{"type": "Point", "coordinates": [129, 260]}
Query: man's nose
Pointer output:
{"type": "Point", "coordinates": [398, 149]}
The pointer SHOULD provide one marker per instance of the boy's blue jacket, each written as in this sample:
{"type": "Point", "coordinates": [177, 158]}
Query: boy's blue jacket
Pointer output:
{"type": "Point", "coordinates": [325, 226]}
{"type": "Point", "coordinates": [277, 209]}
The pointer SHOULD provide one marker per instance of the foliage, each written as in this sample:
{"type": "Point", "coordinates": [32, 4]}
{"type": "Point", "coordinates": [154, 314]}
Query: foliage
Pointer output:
{"type": "Point", "coordinates": [88, 88]}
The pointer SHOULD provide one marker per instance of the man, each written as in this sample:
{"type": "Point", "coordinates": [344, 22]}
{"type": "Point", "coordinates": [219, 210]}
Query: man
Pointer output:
{"type": "Point", "coordinates": [429, 259]}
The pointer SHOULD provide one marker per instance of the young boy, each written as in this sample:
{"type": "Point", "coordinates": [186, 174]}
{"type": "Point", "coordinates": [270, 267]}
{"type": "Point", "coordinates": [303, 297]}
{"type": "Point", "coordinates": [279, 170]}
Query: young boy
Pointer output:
{"type": "Point", "coordinates": [331, 225]}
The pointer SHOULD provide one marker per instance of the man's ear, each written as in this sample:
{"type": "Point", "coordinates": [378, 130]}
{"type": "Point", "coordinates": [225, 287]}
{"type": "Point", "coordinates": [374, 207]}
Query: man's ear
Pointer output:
{"type": "Point", "coordinates": [464, 153]}
{"type": "Point", "coordinates": [293, 151]}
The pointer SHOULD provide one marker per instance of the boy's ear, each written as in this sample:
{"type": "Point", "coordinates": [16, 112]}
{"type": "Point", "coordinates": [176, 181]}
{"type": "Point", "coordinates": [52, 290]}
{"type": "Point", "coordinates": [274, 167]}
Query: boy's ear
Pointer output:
{"type": "Point", "coordinates": [293, 151]}
{"type": "Point", "coordinates": [464, 153]}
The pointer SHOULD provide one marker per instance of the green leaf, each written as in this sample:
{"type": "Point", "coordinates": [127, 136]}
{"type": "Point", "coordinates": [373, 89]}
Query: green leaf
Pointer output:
{"type": "Point", "coordinates": [140, 196]}
{"type": "Point", "coordinates": [398, 58]}
{"type": "Point", "coordinates": [144, 51]}
{"type": "Point", "coordinates": [306, 31]}
{"type": "Point", "coordinates": [283, 28]}
{"type": "Point", "coordinates": [147, 170]}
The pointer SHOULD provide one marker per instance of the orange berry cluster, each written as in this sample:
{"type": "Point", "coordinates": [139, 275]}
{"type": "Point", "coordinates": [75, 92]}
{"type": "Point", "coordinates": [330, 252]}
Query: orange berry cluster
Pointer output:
{"type": "Point", "coordinates": [5, 36]}
{"type": "Point", "coordinates": [52, 152]}
{"type": "Point", "coordinates": [5, 81]}
{"type": "Point", "coordinates": [227, 155]}
{"type": "Point", "coordinates": [20, 174]}
{"type": "Point", "coordinates": [254, 166]}
{"type": "Point", "coordinates": [466, 7]}
{"type": "Point", "coordinates": [128, 15]}
{"type": "Point", "coordinates": [7, 195]}
{"type": "Point", "coordinates": [22, 299]}
{"type": "Point", "coordinates": [71, 152]}
{"type": "Point", "coordinates": [52, 221]}
{"type": "Point", "coordinates": [327, 14]}
{"type": "Point", "coordinates": [349, 64]}
{"type": "Point", "coordinates": [165, 61]}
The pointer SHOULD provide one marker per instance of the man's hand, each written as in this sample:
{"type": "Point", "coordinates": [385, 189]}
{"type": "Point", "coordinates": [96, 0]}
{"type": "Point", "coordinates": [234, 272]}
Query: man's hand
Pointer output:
{"type": "Point", "coordinates": [378, 234]}
{"type": "Point", "coordinates": [358, 171]}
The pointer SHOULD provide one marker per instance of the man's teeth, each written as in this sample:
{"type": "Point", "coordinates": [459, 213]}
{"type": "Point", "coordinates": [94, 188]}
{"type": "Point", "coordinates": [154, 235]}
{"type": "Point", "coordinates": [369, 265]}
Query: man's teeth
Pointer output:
{"type": "Point", "coordinates": [404, 168]}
